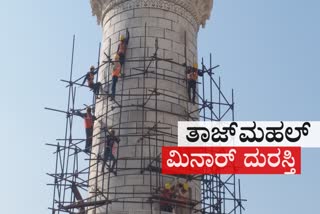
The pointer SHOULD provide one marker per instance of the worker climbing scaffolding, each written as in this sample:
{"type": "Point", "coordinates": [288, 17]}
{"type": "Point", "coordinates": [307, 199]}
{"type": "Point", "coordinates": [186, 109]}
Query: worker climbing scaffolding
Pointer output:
{"type": "Point", "coordinates": [116, 73]}
{"type": "Point", "coordinates": [183, 196]}
{"type": "Point", "coordinates": [108, 155]}
{"type": "Point", "coordinates": [176, 197]}
{"type": "Point", "coordinates": [90, 80]}
{"type": "Point", "coordinates": [119, 61]}
{"type": "Point", "coordinates": [122, 47]}
{"type": "Point", "coordinates": [166, 195]}
{"type": "Point", "coordinates": [88, 124]}
{"type": "Point", "coordinates": [192, 77]}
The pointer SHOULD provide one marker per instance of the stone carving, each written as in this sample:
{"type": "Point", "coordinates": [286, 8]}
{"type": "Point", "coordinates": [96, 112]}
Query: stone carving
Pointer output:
{"type": "Point", "coordinates": [96, 6]}
{"type": "Point", "coordinates": [200, 10]}
{"type": "Point", "coordinates": [204, 8]}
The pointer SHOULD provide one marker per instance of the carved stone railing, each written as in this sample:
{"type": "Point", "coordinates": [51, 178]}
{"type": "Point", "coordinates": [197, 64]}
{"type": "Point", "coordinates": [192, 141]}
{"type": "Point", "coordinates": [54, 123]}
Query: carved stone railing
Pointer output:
{"type": "Point", "coordinates": [199, 9]}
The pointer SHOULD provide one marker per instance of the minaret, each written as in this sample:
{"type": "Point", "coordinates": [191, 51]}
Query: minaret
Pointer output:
{"type": "Point", "coordinates": [147, 105]}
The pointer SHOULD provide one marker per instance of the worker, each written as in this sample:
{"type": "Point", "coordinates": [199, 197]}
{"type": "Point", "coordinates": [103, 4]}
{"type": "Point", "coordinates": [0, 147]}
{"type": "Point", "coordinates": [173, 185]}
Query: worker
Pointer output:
{"type": "Point", "coordinates": [122, 47]}
{"type": "Point", "coordinates": [116, 72]}
{"type": "Point", "coordinates": [183, 198]}
{"type": "Point", "coordinates": [192, 77]}
{"type": "Point", "coordinates": [90, 80]}
{"type": "Point", "coordinates": [111, 139]}
{"type": "Point", "coordinates": [165, 197]}
{"type": "Point", "coordinates": [88, 124]}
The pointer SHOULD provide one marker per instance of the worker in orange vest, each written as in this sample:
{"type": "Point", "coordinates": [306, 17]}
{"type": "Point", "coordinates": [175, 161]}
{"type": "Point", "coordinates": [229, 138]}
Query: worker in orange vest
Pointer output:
{"type": "Point", "coordinates": [192, 77]}
{"type": "Point", "coordinates": [165, 198]}
{"type": "Point", "coordinates": [90, 80]}
{"type": "Point", "coordinates": [183, 196]}
{"type": "Point", "coordinates": [122, 47]}
{"type": "Point", "coordinates": [88, 124]}
{"type": "Point", "coordinates": [116, 72]}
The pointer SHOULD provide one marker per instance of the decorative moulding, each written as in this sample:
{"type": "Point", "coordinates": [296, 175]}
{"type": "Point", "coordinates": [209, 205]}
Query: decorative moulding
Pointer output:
{"type": "Point", "coordinates": [198, 10]}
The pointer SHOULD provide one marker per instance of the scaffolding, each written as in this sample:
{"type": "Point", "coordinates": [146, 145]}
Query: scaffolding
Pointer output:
{"type": "Point", "coordinates": [73, 175]}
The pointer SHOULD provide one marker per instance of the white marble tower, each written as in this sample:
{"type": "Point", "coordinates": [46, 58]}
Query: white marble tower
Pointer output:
{"type": "Point", "coordinates": [169, 21]}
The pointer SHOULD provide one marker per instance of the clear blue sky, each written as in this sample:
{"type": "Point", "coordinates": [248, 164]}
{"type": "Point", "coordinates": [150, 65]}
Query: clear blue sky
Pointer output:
{"type": "Point", "coordinates": [269, 52]}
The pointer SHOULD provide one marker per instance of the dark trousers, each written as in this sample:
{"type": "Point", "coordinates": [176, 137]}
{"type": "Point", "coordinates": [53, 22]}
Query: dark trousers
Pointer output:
{"type": "Point", "coordinates": [113, 87]}
{"type": "Point", "coordinates": [122, 58]}
{"type": "Point", "coordinates": [192, 85]}
{"type": "Point", "coordinates": [89, 133]}
{"type": "Point", "coordinates": [166, 208]}
{"type": "Point", "coordinates": [95, 87]}
{"type": "Point", "coordinates": [108, 156]}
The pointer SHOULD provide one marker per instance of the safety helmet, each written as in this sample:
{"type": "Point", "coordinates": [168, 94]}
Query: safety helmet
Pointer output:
{"type": "Point", "coordinates": [122, 37]}
{"type": "Point", "coordinates": [195, 65]}
{"type": "Point", "coordinates": [111, 131]}
{"type": "Point", "coordinates": [186, 186]}
{"type": "Point", "coordinates": [92, 67]}
{"type": "Point", "coordinates": [167, 186]}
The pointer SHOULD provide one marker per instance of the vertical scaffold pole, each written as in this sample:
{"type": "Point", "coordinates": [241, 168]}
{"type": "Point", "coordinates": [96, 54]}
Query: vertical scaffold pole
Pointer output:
{"type": "Point", "coordinates": [203, 94]}
{"type": "Point", "coordinates": [143, 96]}
{"type": "Point", "coordinates": [220, 99]}
{"type": "Point", "coordinates": [232, 105]}
{"type": "Point", "coordinates": [186, 75]}
{"type": "Point", "coordinates": [156, 105]}
{"type": "Point", "coordinates": [55, 178]}
{"type": "Point", "coordinates": [211, 92]}
{"type": "Point", "coordinates": [66, 140]}
{"type": "Point", "coordinates": [106, 126]}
